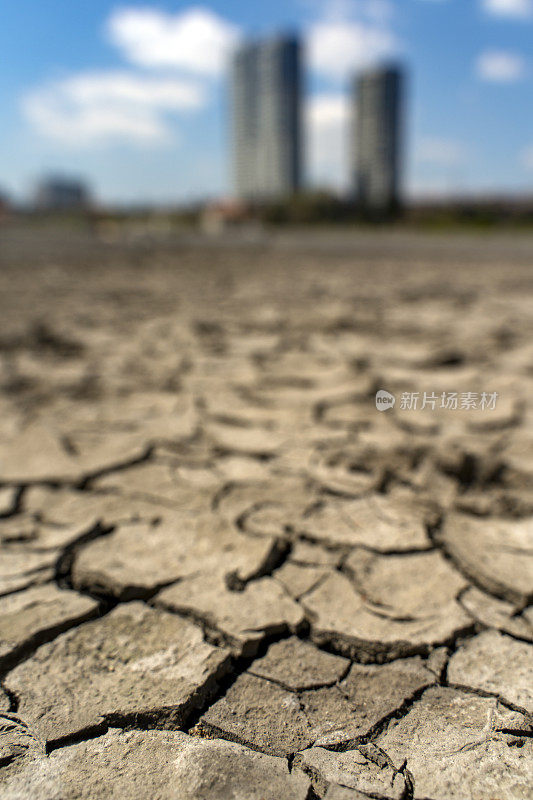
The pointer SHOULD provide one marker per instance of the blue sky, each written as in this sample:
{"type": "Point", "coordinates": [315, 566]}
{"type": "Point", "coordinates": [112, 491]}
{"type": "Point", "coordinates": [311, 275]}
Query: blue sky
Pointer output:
{"type": "Point", "coordinates": [132, 95]}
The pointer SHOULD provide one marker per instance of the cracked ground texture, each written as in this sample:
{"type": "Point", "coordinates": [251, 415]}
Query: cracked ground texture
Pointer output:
{"type": "Point", "coordinates": [225, 575]}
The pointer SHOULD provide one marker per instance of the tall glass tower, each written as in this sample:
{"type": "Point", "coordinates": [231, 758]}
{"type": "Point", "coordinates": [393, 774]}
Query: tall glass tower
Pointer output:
{"type": "Point", "coordinates": [377, 154]}
{"type": "Point", "coordinates": [266, 118]}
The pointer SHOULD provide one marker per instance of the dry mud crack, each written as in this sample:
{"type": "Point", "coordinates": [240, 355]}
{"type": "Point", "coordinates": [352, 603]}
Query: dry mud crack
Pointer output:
{"type": "Point", "coordinates": [224, 574]}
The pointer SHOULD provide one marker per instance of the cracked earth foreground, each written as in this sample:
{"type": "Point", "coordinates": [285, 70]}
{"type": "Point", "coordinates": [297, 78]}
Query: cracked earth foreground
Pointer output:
{"type": "Point", "coordinates": [224, 574]}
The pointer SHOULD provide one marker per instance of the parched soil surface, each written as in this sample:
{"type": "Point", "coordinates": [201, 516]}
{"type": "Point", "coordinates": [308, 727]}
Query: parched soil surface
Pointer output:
{"type": "Point", "coordinates": [226, 571]}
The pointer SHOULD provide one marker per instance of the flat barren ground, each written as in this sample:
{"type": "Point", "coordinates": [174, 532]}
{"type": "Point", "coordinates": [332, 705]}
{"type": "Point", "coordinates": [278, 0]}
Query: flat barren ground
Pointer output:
{"type": "Point", "coordinates": [266, 516]}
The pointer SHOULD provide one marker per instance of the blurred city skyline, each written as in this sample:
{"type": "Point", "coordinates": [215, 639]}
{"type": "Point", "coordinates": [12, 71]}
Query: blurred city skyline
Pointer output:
{"type": "Point", "coordinates": [134, 97]}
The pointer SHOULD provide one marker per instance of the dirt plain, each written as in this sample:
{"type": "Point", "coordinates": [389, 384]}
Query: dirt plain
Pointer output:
{"type": "Point", "coordinates": [225, 574]}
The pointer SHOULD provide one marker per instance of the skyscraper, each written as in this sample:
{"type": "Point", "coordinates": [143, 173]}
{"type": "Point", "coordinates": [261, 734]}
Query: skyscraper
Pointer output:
{"type": "Point", "coordinates": [266, 111]}
{"type": "Point", "coordinates": [377, 103]}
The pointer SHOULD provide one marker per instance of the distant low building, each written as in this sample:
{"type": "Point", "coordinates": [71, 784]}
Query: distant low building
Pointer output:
{"type": "Point", "coordinates": [61, 194]}
{"type": "Point", "coordinates": [266, 94]}
{"type": "Point", "coordinates": [378, 99]}
{"type": "Point", "coordinates": [4, 205]}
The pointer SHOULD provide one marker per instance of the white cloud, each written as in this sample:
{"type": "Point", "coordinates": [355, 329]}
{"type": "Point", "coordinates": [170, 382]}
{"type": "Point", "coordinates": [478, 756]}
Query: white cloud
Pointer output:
{"type": "Point", "coordinates": [195, 40]}
{"type": "Point", "coordinates": [327, 125]}
{"type": "Point", "coordinates": [135, 106]}
{"type": "Point", "coordinates": [350, 36]}
{"type": "Point", "coordinates": [336, 49]}
{"type": "Point", "coordinates": [126, 87]}
{"type": "Point", "coordinates": [518, 9]}
{"type": "Point", "coordinates": [527, 158]}
{"type": "Point", "coordinates": [441, 152]}
{"type": "Point", "coordinates": [109, 106]}
{"type": "Point", "coordinates": [500, 66]}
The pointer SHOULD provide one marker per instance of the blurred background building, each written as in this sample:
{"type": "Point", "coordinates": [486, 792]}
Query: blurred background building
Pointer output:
{"type": "Point", "coordinates": [266, 92]}
{"type": "Point", "coordinates": [377, 106]}
{"type": "Point", "coordinates": [267, 138]}
{"type": "Point", "coordinates": [4, 205]}
{"type": "Point", "coordinates": [58, 193]}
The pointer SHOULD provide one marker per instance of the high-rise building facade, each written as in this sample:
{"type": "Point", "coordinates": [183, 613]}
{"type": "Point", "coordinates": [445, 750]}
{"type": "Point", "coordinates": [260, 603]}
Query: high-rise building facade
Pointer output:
{"type": "Point", "coordinates": [377, 155]}
{"type": "Point", "coordinates": [266, 118]}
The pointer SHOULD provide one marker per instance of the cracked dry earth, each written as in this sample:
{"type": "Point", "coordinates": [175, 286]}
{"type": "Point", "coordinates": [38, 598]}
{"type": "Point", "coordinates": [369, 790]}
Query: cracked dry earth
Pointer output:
{"type": "Point", "coordinates": [224, 574]}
